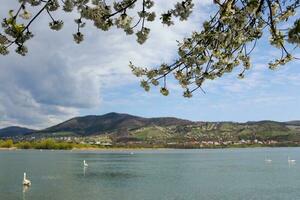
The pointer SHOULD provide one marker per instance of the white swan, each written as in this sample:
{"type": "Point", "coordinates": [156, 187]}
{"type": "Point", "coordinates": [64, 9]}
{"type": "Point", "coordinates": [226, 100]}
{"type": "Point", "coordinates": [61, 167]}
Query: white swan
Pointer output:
{"type": "Point", "coordinates": [291, 161]}
{"type": "Point", "coordinates": [26, 182]}
{"type": "Point", "coordinates": [85, 164]}
{"type": "Point", "coordinates": [267, 160]}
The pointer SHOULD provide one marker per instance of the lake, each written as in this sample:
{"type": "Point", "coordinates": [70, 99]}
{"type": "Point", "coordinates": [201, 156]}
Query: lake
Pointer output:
{"type": "Point", "coordinates": [227, 174]}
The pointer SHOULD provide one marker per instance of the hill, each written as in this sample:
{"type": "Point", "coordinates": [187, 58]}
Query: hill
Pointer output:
{"type": "Point", "coordinates": [123, 129]}
{"type": "Point", "coordinates": [295, 123]}
{"type": "Point", "coordinates": [110, 123]}
{"type": "Point", "coordinates": [14, 131]}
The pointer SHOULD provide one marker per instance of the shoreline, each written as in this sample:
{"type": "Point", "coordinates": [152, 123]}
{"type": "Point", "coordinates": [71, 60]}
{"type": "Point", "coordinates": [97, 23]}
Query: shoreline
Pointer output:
{"type": "Point", "coordinates": [5, 149]}
{"type": "Point", "coordinates": [142, 148]}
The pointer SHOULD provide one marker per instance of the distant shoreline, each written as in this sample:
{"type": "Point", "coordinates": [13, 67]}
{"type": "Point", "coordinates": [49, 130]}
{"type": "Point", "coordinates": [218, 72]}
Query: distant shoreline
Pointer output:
{"type": "Point", "coordinates": [141, 148]}
{"type": "Point", "coordinates": [12, 148]}
{"type": "Point", "coordinates": [50, 144]}
{"type": "Point", "coordinates": [85, 149]}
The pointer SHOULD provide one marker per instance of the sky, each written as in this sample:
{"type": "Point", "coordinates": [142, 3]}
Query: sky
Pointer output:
{"type": "Point", "coordinates": [59, 79]}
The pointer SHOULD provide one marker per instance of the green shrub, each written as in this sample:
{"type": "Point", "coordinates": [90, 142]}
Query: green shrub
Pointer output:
{"type": "Point", "coordinates": [24, 145]}
{"type": "Point", "coordinates": [6, 144]}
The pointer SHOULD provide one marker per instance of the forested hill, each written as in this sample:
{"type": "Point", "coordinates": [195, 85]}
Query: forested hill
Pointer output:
{"type": "Point", "coordinates": [112, 122]}
{"type": "Point", "coordinates": [13, 131]}
{"type": "Point", "coordinates": [125, 127]}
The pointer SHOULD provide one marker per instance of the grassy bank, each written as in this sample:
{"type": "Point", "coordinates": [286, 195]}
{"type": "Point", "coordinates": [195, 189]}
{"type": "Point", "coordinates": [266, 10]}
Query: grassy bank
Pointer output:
{"type": "Point", "coordinates": [43, 144]}
{"type": "Point", "coordinates": [59, 145]}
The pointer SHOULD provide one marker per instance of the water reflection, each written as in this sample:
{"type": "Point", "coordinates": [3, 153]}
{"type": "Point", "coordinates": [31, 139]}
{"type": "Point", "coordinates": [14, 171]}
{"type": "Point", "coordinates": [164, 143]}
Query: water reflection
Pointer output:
{"type": "Point", "coordinates": [291, 164]}
{"type": "Point", "coordinates": [84, 170]}
{"type": "Point", "coordinates": [109, 175]}
{"type": "Point", "coordinates": [25, 190]}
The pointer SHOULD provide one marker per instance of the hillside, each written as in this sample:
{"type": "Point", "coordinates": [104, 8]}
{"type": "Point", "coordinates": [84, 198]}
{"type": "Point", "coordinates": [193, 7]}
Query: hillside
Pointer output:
{"type": "Point", "coordinates": [14, 131]}
{"type": "Point", "coordinates": [295, 123]}
{"type": "Point", "coordinates": [118, 128]}
{"type": "Point", "coordinates": [217, 131]}
{"type": "Point", "coordinates": [111, 123]}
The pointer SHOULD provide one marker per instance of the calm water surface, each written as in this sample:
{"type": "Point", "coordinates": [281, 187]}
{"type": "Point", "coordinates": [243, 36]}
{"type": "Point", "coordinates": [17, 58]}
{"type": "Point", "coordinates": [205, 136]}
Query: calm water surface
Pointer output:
{"type": "Point", "coordinates": [228, 174]}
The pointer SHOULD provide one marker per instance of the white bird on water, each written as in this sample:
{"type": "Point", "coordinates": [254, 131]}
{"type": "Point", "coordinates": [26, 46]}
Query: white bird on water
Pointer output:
{"type": "Point", "coordinates": [291, 161]}
{"type": "Point", "coordinates": [85, 164]}
{"type": "Point", "coordinates": [26, 182]}
{"type": "Point", "coordinates": [267, 160]}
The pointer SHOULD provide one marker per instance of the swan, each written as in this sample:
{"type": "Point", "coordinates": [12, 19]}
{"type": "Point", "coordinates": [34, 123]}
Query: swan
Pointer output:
{"type": "Point", "coordinates": [267, 160]}
{"type": "Point", "coordinates": [26, 182]}
{"type": "Point", "coordinates": [291, 161]}
{"type": "Point", "coordinates": [85, 164]}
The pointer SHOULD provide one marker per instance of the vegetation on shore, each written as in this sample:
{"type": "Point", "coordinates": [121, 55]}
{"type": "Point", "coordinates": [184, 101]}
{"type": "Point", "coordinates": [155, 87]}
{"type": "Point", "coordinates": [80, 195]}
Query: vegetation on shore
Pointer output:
{"type": "Point", "coordinates": [115, 131]}
{"type": "Point", "coordinates": [42, 144]}
{"type": "Point", "coordinates": [60, 145]}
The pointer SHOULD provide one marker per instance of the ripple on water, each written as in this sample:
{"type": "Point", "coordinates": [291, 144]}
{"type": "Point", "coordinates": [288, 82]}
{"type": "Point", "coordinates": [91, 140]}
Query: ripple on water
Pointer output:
{"type": "Point", "coordinates": [50, 177]}
{"type": "Point", "coordinates": [110, 175]}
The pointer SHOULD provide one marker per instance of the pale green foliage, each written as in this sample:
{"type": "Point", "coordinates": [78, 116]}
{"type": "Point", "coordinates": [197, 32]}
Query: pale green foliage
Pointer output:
{"type": "Point", "coordinates": [6, 143]}
{"type": "Point", "coordinates": [164, 91]}
{"type": "Point", "coordinates": [22, 50]}
{"type": "Point", "coordinates": [124, 21]}
{"type": "Point", "coordinates": [56, 25]}
{"type": "Point", "coordinates": [182, 10]}
{"type": "Point", "coordinates": [25, 15]}
{"type": "Point", "coordinates": [294, 33]}
{"type": "Point", "coordinates": [78, 37]}
{"type": "Point", "coordinates": [142, 35]}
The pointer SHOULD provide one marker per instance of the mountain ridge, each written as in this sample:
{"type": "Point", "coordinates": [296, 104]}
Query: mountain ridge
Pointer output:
{"type": "Point", "coordinates": [122, 127]}
{"type": "Point", "coordinates": [13, 131]}
{"type": "Point", "coordinates": [99, 124]}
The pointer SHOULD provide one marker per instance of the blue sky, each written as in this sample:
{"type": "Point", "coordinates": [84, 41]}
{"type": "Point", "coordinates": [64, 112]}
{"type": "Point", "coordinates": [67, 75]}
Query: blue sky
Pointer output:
{"type": "Point", "coordinates": [263, 94]}
{"type": "Point", "coordinates": [59, 79]}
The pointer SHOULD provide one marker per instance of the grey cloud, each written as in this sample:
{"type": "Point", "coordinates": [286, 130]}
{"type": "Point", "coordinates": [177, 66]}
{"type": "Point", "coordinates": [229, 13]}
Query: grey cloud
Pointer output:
{"type": "Point", "coordinates": [33, 91]}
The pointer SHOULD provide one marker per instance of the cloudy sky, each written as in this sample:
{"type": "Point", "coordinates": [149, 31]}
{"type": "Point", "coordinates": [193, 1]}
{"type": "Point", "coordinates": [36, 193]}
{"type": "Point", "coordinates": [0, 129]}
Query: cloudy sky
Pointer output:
{"type": "Point", "coordinates": [60, 79]}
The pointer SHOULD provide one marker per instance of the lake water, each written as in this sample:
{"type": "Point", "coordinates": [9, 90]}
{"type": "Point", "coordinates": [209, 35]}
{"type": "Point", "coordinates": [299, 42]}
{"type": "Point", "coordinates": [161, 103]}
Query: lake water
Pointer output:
{"type": "Point", "coordinates": [226, 174]}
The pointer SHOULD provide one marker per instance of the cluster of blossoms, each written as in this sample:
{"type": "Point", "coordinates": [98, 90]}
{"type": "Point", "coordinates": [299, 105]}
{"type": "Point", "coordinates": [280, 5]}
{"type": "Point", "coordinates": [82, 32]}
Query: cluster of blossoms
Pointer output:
{"type": "Point", "coordinates": [282, 61]}
{"type": "Point", "coordinates": [56, 25]}
{"type": "Point", "coordinates": [103, 15]}
{"type": "Point", "coordinates": [294, 33]}
{"type": "Point", "coordinates": [15, 33]}
{"type": "Point", "coordinates": [182, 10]}
{"type": "Point", "coordinates": [225, 43]}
